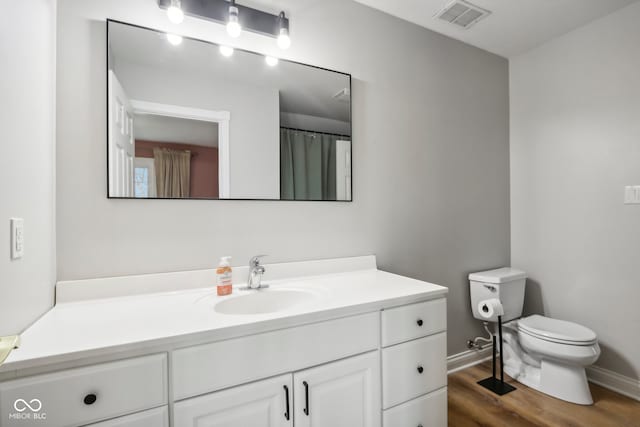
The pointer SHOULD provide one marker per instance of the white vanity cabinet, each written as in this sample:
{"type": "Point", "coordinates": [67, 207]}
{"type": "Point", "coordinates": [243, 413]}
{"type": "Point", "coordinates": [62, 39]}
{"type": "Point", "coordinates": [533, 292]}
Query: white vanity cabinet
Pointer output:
{"type": "Point", "coordinates": [332, 374]}
{"type": "Point", "coordinates": [382, 368]}
{"type": "Point", "coordinates": [345, 393]}
{"type": "Point", "coordinates": [368, 351]}
{"type": "Point", "coordinates": [365, 370]}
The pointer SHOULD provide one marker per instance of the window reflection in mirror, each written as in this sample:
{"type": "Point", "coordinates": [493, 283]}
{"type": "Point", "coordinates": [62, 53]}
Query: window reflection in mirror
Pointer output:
{"type": "Point", "coordinates": [185, 121]}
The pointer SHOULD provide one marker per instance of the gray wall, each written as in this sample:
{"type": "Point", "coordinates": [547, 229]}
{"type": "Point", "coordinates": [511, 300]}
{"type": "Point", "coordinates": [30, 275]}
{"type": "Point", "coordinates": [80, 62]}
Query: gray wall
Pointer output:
{"type": "Point", "coordinates": [575, 144]}
{"type": "Point", "coordinates": [27, 188]}
{"type": "Point", "coordinates": [430, 150]}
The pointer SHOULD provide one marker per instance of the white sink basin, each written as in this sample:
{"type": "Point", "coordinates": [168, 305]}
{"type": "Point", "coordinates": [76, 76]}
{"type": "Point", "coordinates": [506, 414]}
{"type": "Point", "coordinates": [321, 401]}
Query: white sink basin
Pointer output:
{"type": "Point", "coordinates": [268, 300]}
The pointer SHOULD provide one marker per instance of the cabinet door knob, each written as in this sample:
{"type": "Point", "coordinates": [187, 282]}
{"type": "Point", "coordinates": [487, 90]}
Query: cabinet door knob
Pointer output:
{"type": "Point", "coordinates": [90, 399]}
{"type": "Point", "coordinates": [420, 369]}
{"type": "Point", "coordinates": [419, 322]}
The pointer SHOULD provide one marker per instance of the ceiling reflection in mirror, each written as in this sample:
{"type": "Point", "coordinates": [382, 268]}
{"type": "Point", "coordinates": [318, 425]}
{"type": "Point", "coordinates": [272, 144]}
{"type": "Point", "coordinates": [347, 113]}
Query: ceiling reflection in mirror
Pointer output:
{"type": "Point", "coordinates": [186, 120]}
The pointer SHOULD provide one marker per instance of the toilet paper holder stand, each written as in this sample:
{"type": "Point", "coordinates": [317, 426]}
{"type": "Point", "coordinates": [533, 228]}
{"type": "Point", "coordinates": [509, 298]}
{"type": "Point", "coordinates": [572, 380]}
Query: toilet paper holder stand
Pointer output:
{"type": "Point", "coordinates": [498, 386]}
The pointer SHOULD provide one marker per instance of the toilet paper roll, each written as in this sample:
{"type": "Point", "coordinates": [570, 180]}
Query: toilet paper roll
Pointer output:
{"type": "Point", "coordinates": [490, 309]}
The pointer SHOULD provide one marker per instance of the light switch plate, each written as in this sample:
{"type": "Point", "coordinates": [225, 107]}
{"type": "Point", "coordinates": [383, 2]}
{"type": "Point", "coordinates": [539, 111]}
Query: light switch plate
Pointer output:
{"type": "Point", "coordinates": [632, 195]}
{"type": "Point", "coordinates": [17, 238]}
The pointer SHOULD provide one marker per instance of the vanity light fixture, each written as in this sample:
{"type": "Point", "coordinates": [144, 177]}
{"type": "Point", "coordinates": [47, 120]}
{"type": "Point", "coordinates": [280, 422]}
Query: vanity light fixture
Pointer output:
{"type": "Point", "coordinates": [284, 41]}
{"type": "Point", "coordinates": [233, 25]}
{"type": "Point", "coordinates": [271, 61]}
{"type": "Point", "coordinates": [174, 39]}
{"type": "Point", "coordinates": [175, 13]}
{"type": "Point", "coordinates": [226, 51]}
{"type": "Point", "coordinates": [235, 17]}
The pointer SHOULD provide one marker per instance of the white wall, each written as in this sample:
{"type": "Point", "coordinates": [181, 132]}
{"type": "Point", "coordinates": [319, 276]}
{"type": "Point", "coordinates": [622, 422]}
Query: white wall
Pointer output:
{"type": "Point", "coordinates": [575, 143]}
{"type": "Point", "coordinates": [27, 120]}
{"type": "Point", "coordinates": [430, 158]}
{"type": "Point", "coordinates": [318, 124]}
{"type": "Point", "coordinates": [253, 130]}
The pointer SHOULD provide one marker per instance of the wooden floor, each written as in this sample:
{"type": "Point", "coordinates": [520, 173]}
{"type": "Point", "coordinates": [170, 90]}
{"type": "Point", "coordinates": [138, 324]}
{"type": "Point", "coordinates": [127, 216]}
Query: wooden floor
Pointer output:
{"type": "Point", "coordinates": [472, 405]}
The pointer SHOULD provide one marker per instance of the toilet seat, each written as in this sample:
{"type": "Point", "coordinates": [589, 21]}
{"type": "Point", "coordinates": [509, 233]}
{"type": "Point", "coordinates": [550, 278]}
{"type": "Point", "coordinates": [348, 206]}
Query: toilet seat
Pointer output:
{"type": "Point", "coordinates": [558, 331]}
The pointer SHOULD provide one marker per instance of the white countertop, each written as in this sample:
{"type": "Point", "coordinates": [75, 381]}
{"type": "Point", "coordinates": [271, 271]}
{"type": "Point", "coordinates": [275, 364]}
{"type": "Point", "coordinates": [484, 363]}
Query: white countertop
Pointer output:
{"type": "Point", "coordinates": [72, 331]}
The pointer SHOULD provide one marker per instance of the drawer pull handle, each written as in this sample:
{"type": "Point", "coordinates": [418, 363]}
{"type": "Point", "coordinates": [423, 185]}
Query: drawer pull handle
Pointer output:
{"type": "Point", "coordinates": [419, 425]}
{"type": "Point", "coordinates": [420, 369]}
{"type": "Point", "coordinates": [419, 322]}
{"type": "Point", "coordinates": [286, 395]}
{"type": "Point", "coordinates": [90, 399]}
{"type": "Point", "coordinates": [306, 398]}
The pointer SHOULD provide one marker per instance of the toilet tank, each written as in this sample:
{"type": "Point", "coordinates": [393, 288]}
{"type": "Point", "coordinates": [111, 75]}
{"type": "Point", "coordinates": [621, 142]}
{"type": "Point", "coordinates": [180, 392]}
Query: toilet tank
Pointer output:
{"type": "Point", "coordinates": [506, 284]}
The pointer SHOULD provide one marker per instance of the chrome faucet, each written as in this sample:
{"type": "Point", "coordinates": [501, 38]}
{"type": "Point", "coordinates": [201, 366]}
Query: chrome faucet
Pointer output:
{"type": "Point", "coordinates": [256, 270]}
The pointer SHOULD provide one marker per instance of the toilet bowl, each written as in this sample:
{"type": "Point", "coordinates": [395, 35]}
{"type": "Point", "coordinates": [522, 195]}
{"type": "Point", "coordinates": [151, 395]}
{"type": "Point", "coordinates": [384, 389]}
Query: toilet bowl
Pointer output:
{"type": "Point", "coordinates": [550, 355]}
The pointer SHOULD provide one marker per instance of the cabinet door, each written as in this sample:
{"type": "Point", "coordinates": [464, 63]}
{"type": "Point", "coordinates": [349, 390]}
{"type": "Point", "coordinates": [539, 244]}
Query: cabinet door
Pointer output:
{"type": "Point", "coordinates": [339, 394]}
{"type": "Point", "coordinates": [265, 403]}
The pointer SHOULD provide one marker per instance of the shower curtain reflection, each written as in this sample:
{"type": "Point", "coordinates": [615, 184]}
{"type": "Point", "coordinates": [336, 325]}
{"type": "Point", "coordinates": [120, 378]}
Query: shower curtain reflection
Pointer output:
{"type": "Point", "coordinates": [307, 165]}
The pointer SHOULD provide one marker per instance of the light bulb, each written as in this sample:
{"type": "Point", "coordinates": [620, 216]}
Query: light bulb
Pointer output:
{"type": "Point", "coordinates": [174, 12]}
{"type": "Point", "coordinates": [226, 51]}
{"type": "Point", "coordinates": [233, 26]}
{"type": "Point", "coordinates": [174, 39]}
{"type": "Point", "coordinates": [284, 41]}
{"type": "Point", "coordinates": [271, 61]}
{"type": "Point", "coordinates": [234, 29]}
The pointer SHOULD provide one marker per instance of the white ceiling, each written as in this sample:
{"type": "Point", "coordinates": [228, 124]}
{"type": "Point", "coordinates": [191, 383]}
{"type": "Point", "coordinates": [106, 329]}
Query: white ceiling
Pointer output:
{"type": "Point", "coordinates": [514, 27]}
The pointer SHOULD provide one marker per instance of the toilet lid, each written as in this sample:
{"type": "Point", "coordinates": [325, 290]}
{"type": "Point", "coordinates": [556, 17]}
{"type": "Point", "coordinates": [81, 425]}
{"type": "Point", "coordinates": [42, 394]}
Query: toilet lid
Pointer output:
{"type": "Point", "coordinates": [556, 330]}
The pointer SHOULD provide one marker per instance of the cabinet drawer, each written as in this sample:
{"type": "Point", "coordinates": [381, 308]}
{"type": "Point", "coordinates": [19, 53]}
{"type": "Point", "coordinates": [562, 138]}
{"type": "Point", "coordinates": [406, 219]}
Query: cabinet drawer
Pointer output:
{"type": "Point", "coordinates": [84, 395]}
{"type": "Point", "coordinates": [210, 367]}
{"type": "Point", "coordinates": [158, 417]}
{"type": "Point", "coordinates": [413, 321]}
{"type": "Point", "coordinates": [426, 411]}
{"type": "Point", "coordinates": [413, 369]}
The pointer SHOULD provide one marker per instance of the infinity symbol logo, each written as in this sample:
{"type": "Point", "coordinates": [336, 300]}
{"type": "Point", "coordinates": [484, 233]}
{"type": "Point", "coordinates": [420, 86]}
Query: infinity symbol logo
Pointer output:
{"type": "Point", "coordinates": [21, 405]}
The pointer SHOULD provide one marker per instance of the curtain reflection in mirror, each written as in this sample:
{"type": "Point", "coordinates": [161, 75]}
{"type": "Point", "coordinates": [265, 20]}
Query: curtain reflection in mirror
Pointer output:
{"type": "Point", "coordinates": [307, 165]}
{"type": "Point", "coordinates": [173, 172]}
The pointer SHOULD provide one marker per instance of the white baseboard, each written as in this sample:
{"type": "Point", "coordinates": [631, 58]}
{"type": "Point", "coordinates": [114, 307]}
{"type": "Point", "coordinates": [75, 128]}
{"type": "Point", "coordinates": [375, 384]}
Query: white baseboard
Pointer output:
{"type": "Point", "coordinates": [467, 359]}
{"type": "Point", "coordinates": [613, 381]}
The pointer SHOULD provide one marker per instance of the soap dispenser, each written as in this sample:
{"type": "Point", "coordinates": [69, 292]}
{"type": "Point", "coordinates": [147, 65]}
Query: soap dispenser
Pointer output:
{"type": "Point", "coordinates": [224, 276]}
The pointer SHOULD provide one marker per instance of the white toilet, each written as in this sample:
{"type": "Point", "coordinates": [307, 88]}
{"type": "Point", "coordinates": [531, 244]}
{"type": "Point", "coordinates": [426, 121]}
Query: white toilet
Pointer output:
{"type": "Point", "coordinates": [546, 354]}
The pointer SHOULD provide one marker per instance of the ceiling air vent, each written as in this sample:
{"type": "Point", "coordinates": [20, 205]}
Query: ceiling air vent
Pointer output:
{"type": "Point", "coordinates": [462, 13]}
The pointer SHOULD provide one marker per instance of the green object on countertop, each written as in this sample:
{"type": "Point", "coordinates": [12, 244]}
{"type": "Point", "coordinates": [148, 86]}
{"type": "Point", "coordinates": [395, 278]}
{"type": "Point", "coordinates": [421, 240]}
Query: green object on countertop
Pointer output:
{"type": "Point", "coordinates": [7, 344]}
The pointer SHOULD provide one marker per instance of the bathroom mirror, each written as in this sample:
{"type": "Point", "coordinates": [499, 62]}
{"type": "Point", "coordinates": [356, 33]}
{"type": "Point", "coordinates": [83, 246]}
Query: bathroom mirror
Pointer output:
{"type": "Point", "coordinates": [189, 119]}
